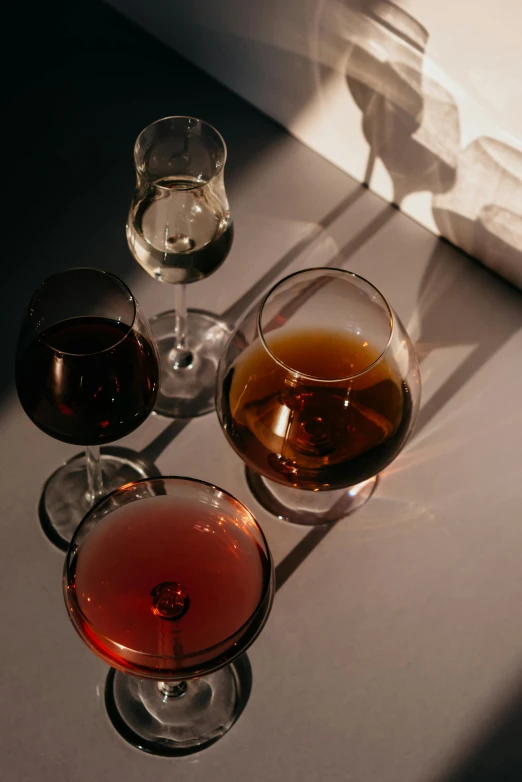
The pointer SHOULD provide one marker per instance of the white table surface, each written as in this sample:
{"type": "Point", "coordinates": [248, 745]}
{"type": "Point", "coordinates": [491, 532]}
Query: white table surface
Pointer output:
{"type": "Point", "coordinates": [394, 649]}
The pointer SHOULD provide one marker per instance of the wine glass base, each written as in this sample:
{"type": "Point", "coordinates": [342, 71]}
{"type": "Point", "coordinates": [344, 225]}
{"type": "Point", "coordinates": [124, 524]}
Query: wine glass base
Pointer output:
{"type": "Point", "coordinates": [65, 500]}
{"type": "Point", "coordinates": [309, 507]}
{"type": "Point", "coordinates": [188, 392]}
{"type": "Point", "coordinates": [161, 724]}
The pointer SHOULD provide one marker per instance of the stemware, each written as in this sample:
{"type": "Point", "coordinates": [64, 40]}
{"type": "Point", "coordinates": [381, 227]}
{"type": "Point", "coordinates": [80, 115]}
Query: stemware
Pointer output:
{"type": "Point", "coordinates": [317, 391]}
{"type": "Point", "coordinates": [87, 373]}
{"type": "Point", "coordinates": [169, 580]}
{"type": "Point", "coordinates": [180, 231]}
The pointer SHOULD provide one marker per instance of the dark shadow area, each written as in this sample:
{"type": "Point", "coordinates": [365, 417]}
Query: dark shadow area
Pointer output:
{"type": "Point", "coordinates": [498, 754]}
{"type": "Point", "coordinates": [88, 82]}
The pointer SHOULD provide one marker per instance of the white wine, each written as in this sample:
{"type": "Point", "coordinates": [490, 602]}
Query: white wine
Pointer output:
{"type": "Point", "coordinates": [179, 230]}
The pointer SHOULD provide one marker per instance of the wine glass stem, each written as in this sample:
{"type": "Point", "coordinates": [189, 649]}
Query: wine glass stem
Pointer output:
{"type": "Point", "coordinates": [94, 473]}
{"type": "Point", "coordinates": [172, 689]}
{"type": "Point", "coordinates": [180, 356]}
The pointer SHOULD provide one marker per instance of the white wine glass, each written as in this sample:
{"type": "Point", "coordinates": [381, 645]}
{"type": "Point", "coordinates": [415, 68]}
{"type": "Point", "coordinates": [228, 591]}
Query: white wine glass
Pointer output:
{"type": "Point", "coordinates": [180, 231]}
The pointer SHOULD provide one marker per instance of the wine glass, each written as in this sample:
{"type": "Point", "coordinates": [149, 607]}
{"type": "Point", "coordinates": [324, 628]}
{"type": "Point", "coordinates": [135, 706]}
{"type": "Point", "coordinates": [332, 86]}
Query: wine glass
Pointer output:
{"type": "Point", "coordinates": [180, 231]}
{"type": "Point", "coordinates": [317, 392]}
{"type": "Point", "coordinates": [169, 580]}
{"type": "Point", "coordinates": [87, 373]}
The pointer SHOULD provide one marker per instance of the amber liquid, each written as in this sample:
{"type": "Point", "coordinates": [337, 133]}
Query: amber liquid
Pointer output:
{"type": "Point", "coordinates": [312, 434]}
{"type": "Point", "coordinates": [126, 558]}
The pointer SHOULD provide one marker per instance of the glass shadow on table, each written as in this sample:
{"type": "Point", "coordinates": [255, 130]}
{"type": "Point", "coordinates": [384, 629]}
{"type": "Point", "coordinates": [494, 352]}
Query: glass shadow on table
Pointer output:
{"type": "Point", "coordinates": [242, 671]}
{"type": "Point", "coordinates": [411, 124]}
{"type": "Point", "coordinates": [445, 320]}
{"type": "Point", "coordinates": [127, 464]}
{"type": "Point", "coordinates": [175, 687]}
{"type": "Point", "coordinates": [110, 35]}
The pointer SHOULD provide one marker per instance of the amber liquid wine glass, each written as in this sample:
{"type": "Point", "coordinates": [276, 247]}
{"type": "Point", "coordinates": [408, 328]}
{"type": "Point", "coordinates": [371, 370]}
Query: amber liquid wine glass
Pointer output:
{"type": "Point", "coordinates": [317, 392]}
{"type": "Point", "coordinates": [180, 231]}
{"type": "Point", "coordinates": [169, 580]}
{"type": "Point", "coordinates": [87, 373]}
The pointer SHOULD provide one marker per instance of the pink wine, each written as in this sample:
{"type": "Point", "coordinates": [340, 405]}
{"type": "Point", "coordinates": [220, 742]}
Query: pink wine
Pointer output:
{"type": "Point", "coordinates": [163, 586]}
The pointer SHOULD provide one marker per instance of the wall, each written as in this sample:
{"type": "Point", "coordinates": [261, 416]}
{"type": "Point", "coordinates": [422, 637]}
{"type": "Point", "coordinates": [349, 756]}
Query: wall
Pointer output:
{"type": "Point", "coordinates": [422, 100]}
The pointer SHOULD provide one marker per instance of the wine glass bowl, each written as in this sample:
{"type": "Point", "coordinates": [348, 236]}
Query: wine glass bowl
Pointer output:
{"type": "Point", "coordinates": [169, 580]}
{"type": "Point", "coordinates": [179, 226]}
{"type": "Point", "coordinates": [180, 231]}
{"type": "Point", "coordinates": [317, 392]}
{"type": "Point", "coordinates": [87, 374]}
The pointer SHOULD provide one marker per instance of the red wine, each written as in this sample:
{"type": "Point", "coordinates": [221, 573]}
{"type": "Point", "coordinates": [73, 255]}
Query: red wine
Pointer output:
{"type": "Point", "coordinates": [161, 585]}
{"type": "Point", "coordinates": [315, 433]}
{"type": "Point", "coordinates": [88, 381]}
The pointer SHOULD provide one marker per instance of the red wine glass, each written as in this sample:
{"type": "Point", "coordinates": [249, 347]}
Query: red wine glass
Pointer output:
{"type": "Point", "coordinates": [180, 231]}
{"type": "Point", "coordinates": [87, 373]}
{"type": "Point", "coordinates": [169, 580]}
{"type": "Point", "coordinates": [317, 391]}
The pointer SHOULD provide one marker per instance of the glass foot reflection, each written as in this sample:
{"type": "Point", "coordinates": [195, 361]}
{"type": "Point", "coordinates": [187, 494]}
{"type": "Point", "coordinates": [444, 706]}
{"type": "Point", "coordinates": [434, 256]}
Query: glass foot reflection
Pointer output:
{"type": "Point", "coordinates": [65, 499]}
{"type": "Point", "coordinates": [188, 390]}
{"type": "Point", "coordinates": [178, 718]}
{"type": "Point", "coordinates": [308, 507]}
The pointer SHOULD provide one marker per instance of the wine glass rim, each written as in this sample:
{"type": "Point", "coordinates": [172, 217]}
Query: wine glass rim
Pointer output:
{"type": "Point", "coordinates": [181, 117]}
{"type": "Point", "coordinates": [267, 587]}
{"type": "Point", "coordinates": [118, 281]}
{"type": "Point", "coordinates": [326, 271]}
